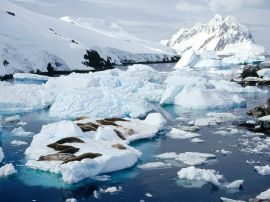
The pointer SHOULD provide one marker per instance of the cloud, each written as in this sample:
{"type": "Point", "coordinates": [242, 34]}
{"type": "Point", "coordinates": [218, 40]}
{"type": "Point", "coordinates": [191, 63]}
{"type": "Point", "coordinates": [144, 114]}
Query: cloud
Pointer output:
{"type": "Point", "coordinates": [187, 6]}
{"type": "Point", "coordinates": [230, 5]}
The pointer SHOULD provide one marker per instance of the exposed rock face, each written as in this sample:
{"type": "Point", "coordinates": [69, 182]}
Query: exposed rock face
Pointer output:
{"type": "Point", "coordinates": [262, 124]}
{"type": "Point", "coordinates": [93, 59]}
{"type": "Point", "coordinates": [225, 35]}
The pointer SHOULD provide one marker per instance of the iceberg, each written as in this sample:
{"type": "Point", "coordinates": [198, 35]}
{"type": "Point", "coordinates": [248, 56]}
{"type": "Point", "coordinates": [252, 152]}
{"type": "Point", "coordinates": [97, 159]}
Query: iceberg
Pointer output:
{"type": "Point", "coordinates": [105, 148]}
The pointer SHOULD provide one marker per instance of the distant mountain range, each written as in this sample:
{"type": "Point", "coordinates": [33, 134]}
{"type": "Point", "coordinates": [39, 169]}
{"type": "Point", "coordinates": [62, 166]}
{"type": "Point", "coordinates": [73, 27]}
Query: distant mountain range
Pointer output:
{"type": "Point", "coordinates": [222, 34]}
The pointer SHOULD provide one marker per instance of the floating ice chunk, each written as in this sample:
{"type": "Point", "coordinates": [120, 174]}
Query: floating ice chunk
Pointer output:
{"type": "Point", "coordinates": [237, 184]}
{"type": "Point", "coordinates": [167, 155]}
{"type": "Point", "coordinates": [223, 199]}
{"type": "Point", "coordinates": [202, 98]}
{"type": "Point", "coordinates": [263, 170]}
{"type": "Point", "coordinates": [155, 119]}
{"type": "Point", "coordinates": [197, 140]}
{"type": "Point", "coordinates": [21, 123]}
{"type": "Point", "coordinates": [154, 165]}
{"type": "Point", "coordinates": [264, 195]}
{"type": "Point", "coordinates": [21, 132]}
{"type": "Point", "coordinates": [194, 158]}
{"type": "Point", "coordinates": [1, 154]}
{"type": "Point", "coordinates": [188, 58]}
{"type": "Point", "coordinates": [197, 174]}
{"type": "Point", "coordinates": [22, 98]}
{"type": "Point", "coordinates": [223, 151]}
{"type": "Point", "coordinates": [96, 194]}
{"type": "Point", "coordinates": [71, 200]}
{"type": "Point", "coordinates": [221, 117]}
{"type": "Point", "coordinates": [111, 190]}
{"type": "Point", "coordinates": [222, 132]}
{"type": "Point", "coordinates": [13, 118]}
{"type": "Point", "coordinates": [208, 121]}
{"type": "Point", "coordinates": [181, 134]}
{"type": "Point", "coordinates": [111, 159]}
{"type": "Point", "coordinates": [148, 195]}
{"type": "Point", "coordinates": [18, 143]}
{"type": "Point", "coordinates": [7, 170]}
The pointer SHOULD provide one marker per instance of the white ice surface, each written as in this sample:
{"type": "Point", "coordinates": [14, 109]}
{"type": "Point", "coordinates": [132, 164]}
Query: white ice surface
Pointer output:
{"type": "Point", "coordinates": [202, 175]}
{"type": "Point", "coordinates": [7, 169]}
{"type": "Point", "coordinates": [263, 170]}
{"type": "Point", "coordinates": [194, 158]}
{"type": "Point", "coordinates": [181, 134]}
{"type": "Point", "coordinates": [264, 195]}
{"type": "Point", "coordinates": [154, 165]}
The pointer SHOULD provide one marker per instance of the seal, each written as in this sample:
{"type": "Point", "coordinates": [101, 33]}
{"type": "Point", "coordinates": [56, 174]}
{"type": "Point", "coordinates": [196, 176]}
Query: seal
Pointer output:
{"type": "Point", "coordinates": [119, 134]}
{"type": "Point", "coordinates": [106, 123]}
{"type": "Point", "coordinates": [86, 128]}
{"type": "Point", "coordinates": [119, 146]}
{"type": "Point", "coordinates": [114, 119]}
{"type": "Point", "coordinates": [88, 155]}
{"type": "Point", "coordinates": [80, 118]}
{"type": "Point", "coordinates": [62, 148]}
{"type": "Point", "coordinates": [56, 157]}
{"type": "Point", "coordinates": [69, 140]}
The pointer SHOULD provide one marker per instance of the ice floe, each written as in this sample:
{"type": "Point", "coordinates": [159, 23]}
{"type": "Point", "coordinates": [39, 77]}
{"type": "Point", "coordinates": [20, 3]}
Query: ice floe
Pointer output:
{"type": "Point", "coordinates": [154, 165]}
{"type": "Point", "coordinates": [202, 175]}
{"type": "Point", "coordinates": [263, 170]}
{"type": "Point", "coordinates": [18, 143]}
{"type": "Point", "coordinates": [20, 132]}
{"type": "Point", "coordinates": [7, 169]}
{"type": "Point", "coordinates": [197, 140]}
{"type": "Point", "coordinates": [71, 200]}
{"type": "Point", "coordinates": [223, 151]}
{"type": "Point", "coordinates": [148, 195]}
{"type": "Point", "coordinates": [264, 195]}
{"type": "Point", "coordinates": [223, 199]}
{"type": "Point", "coordinates": [194, 158]}
{"type": "Point", "coordinates": [101, 148]}
{"type": "Point", "coordinates": [176, 133]}
{"type": "Point", "coordinates": [237, 184]}
{"type": "Point", "coordinates": [12, 118]}
{"type": "Point", "coordinates": [167, 155]}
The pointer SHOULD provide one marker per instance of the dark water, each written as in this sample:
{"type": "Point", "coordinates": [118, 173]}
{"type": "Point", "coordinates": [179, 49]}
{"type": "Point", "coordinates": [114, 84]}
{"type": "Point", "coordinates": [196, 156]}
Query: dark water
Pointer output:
{"type": "Point", "coordinates": [31, 185]}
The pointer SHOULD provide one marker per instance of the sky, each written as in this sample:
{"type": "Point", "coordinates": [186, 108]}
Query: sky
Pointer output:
{"type": "Point", "coordinates": [159, 19]}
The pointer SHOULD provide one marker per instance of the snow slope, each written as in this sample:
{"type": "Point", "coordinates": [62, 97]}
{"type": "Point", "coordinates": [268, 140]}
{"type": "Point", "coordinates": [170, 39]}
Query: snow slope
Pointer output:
{"type": "Point", "coordinates": [224, 35]}
{"type": "Point", "coordinates": [29, 41]}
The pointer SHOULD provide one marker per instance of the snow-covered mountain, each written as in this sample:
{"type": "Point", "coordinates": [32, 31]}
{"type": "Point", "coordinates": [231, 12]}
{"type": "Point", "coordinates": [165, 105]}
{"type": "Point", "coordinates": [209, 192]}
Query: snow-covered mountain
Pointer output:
{"type": "Point", "coordinates": [29, 41]}
{"type": "Point", "coordinates": [225, 35]}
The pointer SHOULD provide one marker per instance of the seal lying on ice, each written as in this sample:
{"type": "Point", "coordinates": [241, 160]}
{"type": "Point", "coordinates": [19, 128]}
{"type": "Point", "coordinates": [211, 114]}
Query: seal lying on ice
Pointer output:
{"type": "Point", "coordinates": [88, 155]}
{"type": "Point", "coordinates": [56, 157]}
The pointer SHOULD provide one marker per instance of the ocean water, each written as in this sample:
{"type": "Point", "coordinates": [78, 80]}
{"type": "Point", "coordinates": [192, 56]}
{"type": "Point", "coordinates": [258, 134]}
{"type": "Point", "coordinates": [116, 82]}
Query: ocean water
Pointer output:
{"type": "Point", "coordinates": [29, 185]}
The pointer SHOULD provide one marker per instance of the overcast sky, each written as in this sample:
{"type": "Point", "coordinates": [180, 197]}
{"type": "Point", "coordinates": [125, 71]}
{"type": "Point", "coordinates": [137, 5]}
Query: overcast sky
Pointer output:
{"type": "Point", "coordinates": [159, 19]}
